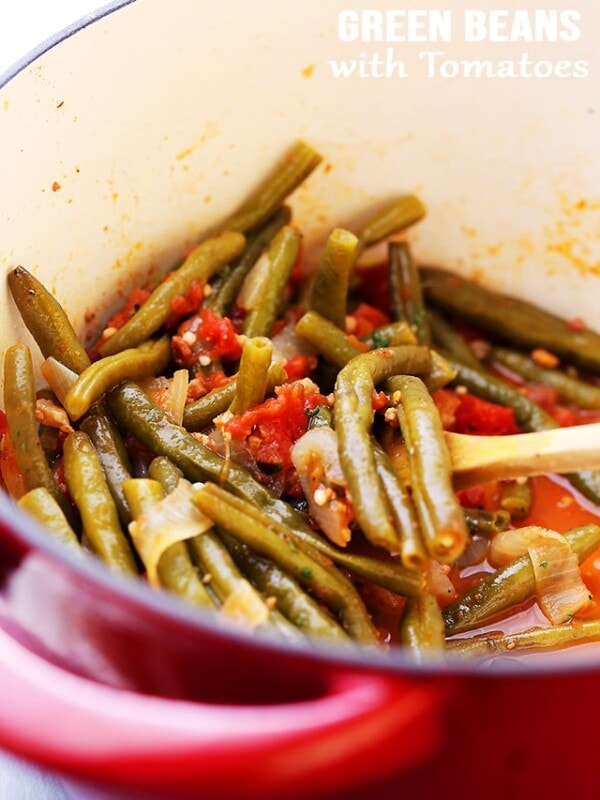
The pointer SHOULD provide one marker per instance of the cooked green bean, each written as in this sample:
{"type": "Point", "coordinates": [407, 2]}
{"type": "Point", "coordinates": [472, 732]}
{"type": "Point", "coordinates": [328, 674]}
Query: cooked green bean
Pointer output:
{"type": "Point", "coordinates": [517, 321]}
{"type": "Point", "coordinates": [113, 458]}
{"type": "Point", "coordinates": [214, 502]}
{"type": "Point", "coordinates": [353, 414]}
{"type": "Point", "coordinates": [389, 335]}
{"type": "Point", "coordinates": [89, 490]}
{"type": "Point", "coordinates": [19, 404]}
{"type": "Point", "coordinates": [329, 292]}
{"type": "Point", "coordinates": [175, 569]}
{"type": "Point", "coordinates": [163, 470]}
{"type": "Point", "coordinates": [395, 217]}
{"type": "Point", "coordinates": [570, 389]}
{"type": "Point", "coordinates": [202, 412]}
{"type": "Point", "coordinates": [516, 497]}
{"type": "Point", "coordinates": [412, 549]}
{"type": "Point", "coordinates": [509, 586]}
{"type": "Point", "coordinates": [450, 340]}
{"type": "Point", "coordinates": [252, 378]}
{"type": "Point", "coordinates": [406, 290]}
{"type": "Point", "coordinates": [587, 630]}
{"type": "Point", "coordinates": [269, 277]}
{"type": "Point", "coordinates": [227, 286]}
{"type": "Point", "coordinates": [299, 162]}
{"type": "Point", "coordinates": [484, 522]}
{"type": "Point", "coordinates": [46, 320]}
{"type": "Point", "coordinates": [150, 358]}
{"type": "Point", "coordinates": [327, 339]}
{"type": "Point", "coordinates": [40, 503]}
{"type": "Point", "coordinates": [440, 515]}
{"type": "Point", "coordinates": [422, 627]}
{"type": "Point", "coordinates": [202, 262]}
{"type": "Point", "coordinates": [291, 599]}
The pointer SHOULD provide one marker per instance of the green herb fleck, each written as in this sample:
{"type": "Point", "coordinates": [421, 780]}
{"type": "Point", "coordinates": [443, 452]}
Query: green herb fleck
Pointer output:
{"type": "Point", "coordinates": [378, 339]}
{"type": "Point", "coordinates": [306, 572]}
{"type": "Point", "coordinates": [544, 564]}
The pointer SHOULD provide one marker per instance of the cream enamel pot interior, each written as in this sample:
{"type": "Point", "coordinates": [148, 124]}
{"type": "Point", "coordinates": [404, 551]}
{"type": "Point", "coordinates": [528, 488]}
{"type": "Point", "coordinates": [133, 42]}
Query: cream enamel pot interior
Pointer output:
{"type": "Point", "coordinates": [124, 140]}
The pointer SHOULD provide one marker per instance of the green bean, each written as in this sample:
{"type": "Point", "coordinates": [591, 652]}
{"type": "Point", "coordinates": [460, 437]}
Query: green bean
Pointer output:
{"type": "Point", "coordinates": [389, 335]}
{"type": "Point", "coordinates": [515, 320]}
{"type": "Point", "coordinates": [133, 364]}
{"type": "Point", "coordinates": [252, 377]}
{"type": "Point", "coordinates": [291, 599]}
{"type": "Point", "coordinates": [202, 262]}
{"type": "Point", "coordinates": [509, 586]}
{"type": "Point", "coordinates": [450, 340]}
{"type": "Point", "coordinates": [556, 636]}
{"type": "Point", "coordinates": [19, 404]}
{"type": "Point", "coordinates": [113, 458]}
{"type": "Point", "coordinates": [528, 415]}
{"type": "Point", "coordinates": [202, 412]}
{"type": "Point", "coordinates": [40, 503]}
{"type": "Point", "coordinates": [92, 497]}
{"type": "Point", "coordinates": [269, 277]}
{"type": "Point", "coordinates": [484, 522]}
{"type": "Point", "coordinates": [422, 627]}
{"type": "Point", "coordinates": [353, 414]}
{"type": "Point", "coordinates": [135, 412]}
{"type": "Point", "coordinates": [46, 321]}
{"type": "Point", "coordinates": [395, 217]}
{"type": "Point", "coordinates": [175, 569]}
{"type": "Point", "coordinates": [440, 515]}
{"type": "Point", "coordinates": [326, 338]}
{"type": "Point", "coordinates": [214, 502]}
{"type": "Point", "coordinates": [163, 470]}
{"type": "Point", "coordinates": [441, 373]}
{"type": "Point", "coordinates": [516, 497]}
{"type": "Point", "coordinates": [227, 286]}
{"type": "Point", "coordinates": [299, 162]}
{"type": "Point", "coordinates": [406, 290]}
{"type": "Point", "coordinates": [329, 292]}
{"type": "Point", "coordinates": [412, 548]}
{"type": "Point", "coordinates": [570, 389]}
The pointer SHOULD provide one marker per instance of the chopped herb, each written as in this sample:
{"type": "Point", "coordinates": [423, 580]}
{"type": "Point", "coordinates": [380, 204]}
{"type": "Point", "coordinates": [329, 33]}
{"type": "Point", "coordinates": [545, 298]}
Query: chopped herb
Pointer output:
{"type": "Point", "coordinates": [312, 412]}
{"type": "Point", "coordinates": [379, 340]}
{"type": "Point", "coordinates": [543, 564]}
{"type": "Point", "coordinates": [306, 572]}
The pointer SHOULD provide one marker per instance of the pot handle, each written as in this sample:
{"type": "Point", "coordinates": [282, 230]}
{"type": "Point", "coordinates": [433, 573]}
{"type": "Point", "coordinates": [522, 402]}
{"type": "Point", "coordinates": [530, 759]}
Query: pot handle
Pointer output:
{"type": "Point", "coordinates": [360, 727]}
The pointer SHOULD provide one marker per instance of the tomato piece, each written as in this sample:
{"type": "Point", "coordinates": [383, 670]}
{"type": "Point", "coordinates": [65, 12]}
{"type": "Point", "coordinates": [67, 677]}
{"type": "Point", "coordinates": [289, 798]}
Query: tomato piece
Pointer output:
{"type": "Point", "coordinates": [476, 416]}
{"type": "Point", "coordinates": [300, 367]}
{"type": "Point", "coordinates": [270, 429]}
{"type": "Point", "coordinates": [184, 305]}
{"type": "Point", "coordinates": [205, 334]}
{"type": "Point", "coordinates": [365, 319]}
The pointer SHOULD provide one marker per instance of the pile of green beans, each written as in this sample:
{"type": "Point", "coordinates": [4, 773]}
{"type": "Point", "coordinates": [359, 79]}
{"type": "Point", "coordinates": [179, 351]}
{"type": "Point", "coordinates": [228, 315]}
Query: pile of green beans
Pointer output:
{"type": "Point", "coordinates": [121, 451]}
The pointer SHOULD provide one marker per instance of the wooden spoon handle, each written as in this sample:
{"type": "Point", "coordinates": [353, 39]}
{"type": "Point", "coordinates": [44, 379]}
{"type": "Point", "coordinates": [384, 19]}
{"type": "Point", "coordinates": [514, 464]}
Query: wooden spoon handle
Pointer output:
{"type": "Point", "coordinates": [477, 459]}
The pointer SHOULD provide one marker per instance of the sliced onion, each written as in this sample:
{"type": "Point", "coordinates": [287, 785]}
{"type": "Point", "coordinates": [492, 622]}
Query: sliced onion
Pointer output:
{"type": "Point", "coordinates": [315, 457]}
{"type": "Point", "coordinates": [560, 589]}
{"type": "Point", "coordinates": [249, 296]}
{"type": "Point", "coordinates": [169, 393]}
{"type": "Point", "coordinates": [438, 581]}
{"type": "Point", "coordinates": [170, 520]}
{"type": "Point", "coordinates": [287, 344]}
{"type": "Point", "coordinates": [245, 606]}
{"type": "Point", "coordinates": [59, 378]}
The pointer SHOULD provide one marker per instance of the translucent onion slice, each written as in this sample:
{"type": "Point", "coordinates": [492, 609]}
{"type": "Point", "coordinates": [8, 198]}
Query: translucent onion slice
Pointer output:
{"type": "Point", "coordinates": [59, 378]}
{"type": "Point", "coordinates": [169, 393]}
{"type": "Point", "coordinates": [315, 457]}
{"type": "Point", "coordinates": [560, 589]}
{"type": "Point", "coordinates": [172, 519]}
{"type": "Point", "coordinates": [245, 606]}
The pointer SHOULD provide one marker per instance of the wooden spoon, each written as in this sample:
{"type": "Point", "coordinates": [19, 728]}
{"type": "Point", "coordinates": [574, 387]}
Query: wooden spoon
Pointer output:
{"type": "Point", "coordinates": [477, 459]}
